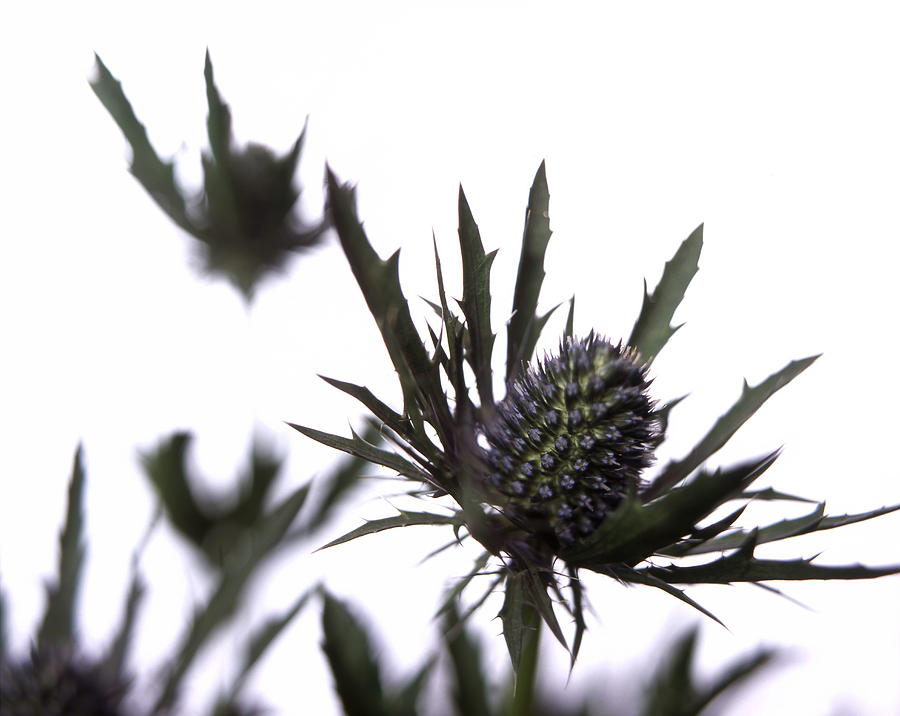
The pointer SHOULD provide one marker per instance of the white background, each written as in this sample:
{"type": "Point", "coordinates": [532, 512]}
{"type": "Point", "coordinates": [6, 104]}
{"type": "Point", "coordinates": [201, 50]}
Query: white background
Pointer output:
{"type": "Point", "coordinates": [774, 123]}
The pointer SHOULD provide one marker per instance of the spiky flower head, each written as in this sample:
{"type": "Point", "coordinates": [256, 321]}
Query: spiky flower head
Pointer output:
{"type": "Point", "coordinates": [572, 437]}
{"type": "Point", "coordinates": [552, 473]}
{"type": "Point", "coordinates": [57, 681]}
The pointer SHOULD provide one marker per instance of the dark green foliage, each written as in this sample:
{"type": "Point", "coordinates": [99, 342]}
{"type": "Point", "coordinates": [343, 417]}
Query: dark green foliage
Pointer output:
{"type": "Point", "coordinates": [404, 519]}
{"type": "Point", "coordinates": [523, 328]}
{"type": "Point", "coordinates": [244, 217]}
{"type": "Point", "coordinates": [673, 690]}
{"type": "Point", "coordinates": [669, 516]}
{"type": "Point", "coordinates": [237, 568]}
{"type": "Point", "coordinates": [469, 689]}
{"type": "Point", "coordinates": [117, 655]}
{"type": "Point", "coordinates": [58, 625]}
{"type": "Point", "coordinates": [357, 674]}
{"type": "Point", "coordinates": [356, 670]}
{"type": "Point", "coordinates": [652, 330]}
{"type": "Point", "coordinates": [214, 526]}
{"type": "Point", "coordinates": [260, 641]}
{"type": "Point", "coordinates": [750, 401]}
{"type": "Point", "coordinates": [476, 300]}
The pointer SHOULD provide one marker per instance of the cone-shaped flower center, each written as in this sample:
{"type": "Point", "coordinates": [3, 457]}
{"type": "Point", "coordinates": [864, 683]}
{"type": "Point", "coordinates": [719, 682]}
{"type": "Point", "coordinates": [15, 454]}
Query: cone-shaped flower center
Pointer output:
{"type": "Point", "coordinates": [574, 431]}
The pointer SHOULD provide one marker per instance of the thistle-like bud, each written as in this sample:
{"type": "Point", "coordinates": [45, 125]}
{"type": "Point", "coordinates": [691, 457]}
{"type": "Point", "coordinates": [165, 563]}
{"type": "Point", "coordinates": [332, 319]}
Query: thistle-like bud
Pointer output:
{"type": "Point", "coordinates": [57, 681]}
{"type": "Point", "coordinates": [570, 438]}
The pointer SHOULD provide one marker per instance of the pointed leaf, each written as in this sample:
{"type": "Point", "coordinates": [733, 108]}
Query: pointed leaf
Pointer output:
{"type": "Point", "coordinates": [652, 330]}
{"type": "Point", "coordinates": [577, 613]}
{"type": "Point", "coordinates": [456, 591]}
{"type": "Point", "coordinates": [570, 319]}
{"type": "Point", "coordinates": [662, 417]}
{"type": "Point", "coordinates": [58, 623]}
{"type": "Point", "coordinates": [523, 329]}
{"type": "Point", "coordinates": [529, 342]}
{"type": "Point", "coordinates": [521, 630]}
{"type": "Point", "coordinates": [362, 449]}
{"type": "Point", "coordinates": [512, 614]}
{"type": "Point", "coordinates": [831, 521]}
{"type": "Point", "coordinates": [742, 566]}
{"type": "Point", "coordinates": [261, 639]}
{"type": "Point", "coordinates": [379, 409]}
{"type": "Point", "coordinates": [771, 533]}
{"type": "Point", "coordinates": [651, 579]}
{"type": "Point", "coordinates": [116, 657]}
{"type": "Point", "coordinates": [476, 301]}
{"type": "Point", "coordinates": [750, 401]}
{"type": "Point", "coordinates": [635, 531]}
{"type": "Point", "coordinates": [343, 478]}
{"type": "Point", "coordinates": [404, 519]}
{"type": "Point", "coordinates": [536, 594]}
{"type": "Point", "coordinates": [734, 676]}
{"type": "Point", "coordinates": [218, 122]}
{"type": "Point", "coordinates": [256, 484]}
{"type": "Point", "coordinates": [166, 466]}
{"type": "Point", "coordinates": [771, 493]}
{"type": "Point", "coordinates": [469, 686]}
{"type": "Point", "coordinates": [454, 332]}
{"type": "Point", "coordinates": [380, 284]}
{"type": "Point", "coordinates": [155, 175]}
{"type": "Point", "coordinates": [671, 692]}
{"type": "Point", "coordinates": [240, 565]}
{"type": "Point", "coordinates": [356, 672]}
{"type": "Point", "coordinates": [404, 701]}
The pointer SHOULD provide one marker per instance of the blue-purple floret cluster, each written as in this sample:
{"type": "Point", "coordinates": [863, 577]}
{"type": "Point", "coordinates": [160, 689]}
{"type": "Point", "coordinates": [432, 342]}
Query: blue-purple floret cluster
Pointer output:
{"type": "Point", "coordinates": [572, 435]}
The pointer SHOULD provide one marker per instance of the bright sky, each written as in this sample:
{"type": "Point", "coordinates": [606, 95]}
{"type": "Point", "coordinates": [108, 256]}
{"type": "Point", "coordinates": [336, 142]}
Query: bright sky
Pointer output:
{"type": "Point", "coordinates": [775, 124]}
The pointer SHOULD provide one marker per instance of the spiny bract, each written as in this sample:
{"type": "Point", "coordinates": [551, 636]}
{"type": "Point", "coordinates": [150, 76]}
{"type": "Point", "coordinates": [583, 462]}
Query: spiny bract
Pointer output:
{"type": "Point", "coordinates": [571, 437]}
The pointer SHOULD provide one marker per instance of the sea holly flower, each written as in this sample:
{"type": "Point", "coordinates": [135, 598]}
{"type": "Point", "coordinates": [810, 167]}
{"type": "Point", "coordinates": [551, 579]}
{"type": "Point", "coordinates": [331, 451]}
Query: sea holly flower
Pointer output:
{"type": "Point", "coordinates": [553, 478]}
{"type": "Point", "coordinates": [244, 217]}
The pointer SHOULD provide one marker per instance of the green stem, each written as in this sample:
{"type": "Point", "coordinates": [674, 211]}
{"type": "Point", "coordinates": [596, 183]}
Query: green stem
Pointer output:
{"type": "Point", "coordinates": [526, 674]}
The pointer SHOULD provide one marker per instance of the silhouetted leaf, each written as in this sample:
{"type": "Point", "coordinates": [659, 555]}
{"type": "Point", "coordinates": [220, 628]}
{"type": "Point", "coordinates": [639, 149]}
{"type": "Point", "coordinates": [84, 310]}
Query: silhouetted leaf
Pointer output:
{"type": "Point", "coordinates": [742, 566]}
{"type": "Point", "coordinates": [772, 494]}
{"type": "Point", "coordinates": [166, 466]}
{"type": "Point", "coordinates": [469, 686]}
{"type": "Point", "coordinates": [260, 640]}
{"type": "Point", "coordinates": [117, 654]}
{"type": "Point", "coordinates": [570, 319]}
{"type": "Point", "coordinates": [650, 578]}
{"type": "Point", "coordinates": [750, 401]}
{"type": "Point", "coordinates": [530, 276]}
{"type": "Point", "coordinates": [257, 544]}
{"type": "Point", "coordinates": [404, 519]}
{"type": "Point", "coordinates": [455, 338]}
{"type": "Point", "coordinates": [635, 530]}
{"type": "Point", "coordinates": [734, 676]}
{"type": "Point", "coordinates": [671, 692]}
{"type": "Point", "coordinates": [156, 176]}
{"type": "Point", "coordinates": [652, 330]}
{"type": "Point", "coordinates": [356, 672]}
{"type": "Point", "coordinates": [577, 613]}
{"type": "Point", "coordinates": [380, 284]}
{"type": "Point", "coordinates": [379, 409]}
{"type": "Point", "coordinates": [335, 487]}
{"type": "Point", "coordinates": [362, 449]}
{"type": "Point", "coordinates": [476, 300]}
{"type": "Point", "coordinates": [403, 701]}
{"type": "Point", "coordinates": [456, 591]}
{"type": "Point", "coordinates": [58, 623]}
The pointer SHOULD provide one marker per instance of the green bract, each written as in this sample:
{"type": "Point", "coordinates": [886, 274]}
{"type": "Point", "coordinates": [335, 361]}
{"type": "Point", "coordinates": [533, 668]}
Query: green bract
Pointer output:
{"type": "Point", "coordinates": [553, 472]}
